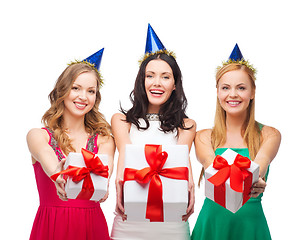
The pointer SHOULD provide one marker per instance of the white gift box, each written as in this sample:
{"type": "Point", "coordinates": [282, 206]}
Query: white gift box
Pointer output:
{"type": "Point", "coordinates": [100, 183]}
{"type": "Point", "coordinates": [174, 192]}
{"type": "Point", "coordinates": [233, 199]}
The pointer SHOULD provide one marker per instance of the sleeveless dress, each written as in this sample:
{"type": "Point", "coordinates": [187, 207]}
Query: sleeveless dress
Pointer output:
{"type": "Point", "coordinates": [70, 220]}
{"type": "Point", "coordinates": [128, 230]}
{"type": "Point", "coordinates": [217, 223]}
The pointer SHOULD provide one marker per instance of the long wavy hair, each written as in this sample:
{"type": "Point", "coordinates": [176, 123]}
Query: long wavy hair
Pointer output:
{"type": "Point", "coordinates": [250, 130]}
{"type": "Point", "coordinates": [172, 112]}
{"type": "Point", "coordinates": [95, 122]}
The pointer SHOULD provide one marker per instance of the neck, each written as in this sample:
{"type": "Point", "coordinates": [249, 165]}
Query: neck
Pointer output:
{"type": "Point", "coordinates": [235, 123]}
{"type": "Point", "coordinates": [153, 109]}
{"type": "Point", "coordinates": [73, 124]}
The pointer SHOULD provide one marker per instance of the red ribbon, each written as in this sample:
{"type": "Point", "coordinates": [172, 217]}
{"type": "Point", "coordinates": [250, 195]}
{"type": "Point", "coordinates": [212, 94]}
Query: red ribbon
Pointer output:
{"type": "Point", "coordinates": [93, 165]}
{"type": "Point", "coordinates": [156, 160]}
{"type": "Point", "coordinates": [238, 176]}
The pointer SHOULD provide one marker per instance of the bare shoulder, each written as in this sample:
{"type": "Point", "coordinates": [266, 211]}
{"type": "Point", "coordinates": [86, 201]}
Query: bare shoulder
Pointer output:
{"type": "Point", "coordinates": [120, 128]}
{"type": "Point", "coordinates": [186, 136]}
{"type": "Point", "coordinates": [106, 144]}
{"type": "Point", "coordinates": [270, 132]}
{"type": "Point", "coordinates": [119, 124]}
{"type": "Point", "coordinates": [118, 118]}
{"type": "Point", "coordinates": [190, 126]}
{"type": "Point", "coordinates": [37, 134]}
{"type": "Point", "coordinates": [105, 140]}
{"type": "Point", "coordinates": [204, 135]}
{"type": "Point", "coordinates": [190, 123]}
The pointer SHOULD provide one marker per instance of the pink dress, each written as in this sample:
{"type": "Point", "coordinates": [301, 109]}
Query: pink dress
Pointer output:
{"type": "Point", "coordinates": [72, 219]}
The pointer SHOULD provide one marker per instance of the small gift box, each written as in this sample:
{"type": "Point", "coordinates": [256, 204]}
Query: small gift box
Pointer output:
{"type": "Point", "coordinates": [87, 175]}
{"type": "Point", "coordinates": [156, 182]}
{"type": "Point", "coordinates": [229, 179]}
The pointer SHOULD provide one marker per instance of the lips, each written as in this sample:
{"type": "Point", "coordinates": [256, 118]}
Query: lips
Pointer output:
{"type": "Point", "coordinates": [157, 92]}
{"type": "Point", "coordinates": [80, 106]}
{"type": "Point", "coordinates": [233, 103]}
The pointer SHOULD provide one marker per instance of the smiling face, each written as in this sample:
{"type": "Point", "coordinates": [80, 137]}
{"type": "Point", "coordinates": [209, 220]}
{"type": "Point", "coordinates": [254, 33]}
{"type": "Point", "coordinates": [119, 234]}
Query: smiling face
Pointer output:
{"type": "Point", "coordinates": [234, 91]}
{"type": "Point", "coordinates": [159, 84]}
{"type": "Point", "coordinates": [82, 95]}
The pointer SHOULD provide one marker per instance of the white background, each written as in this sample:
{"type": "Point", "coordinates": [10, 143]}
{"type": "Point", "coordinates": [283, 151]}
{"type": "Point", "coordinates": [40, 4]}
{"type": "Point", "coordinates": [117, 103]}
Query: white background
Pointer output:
{"type": "Point", "coordinates": [38, 39]}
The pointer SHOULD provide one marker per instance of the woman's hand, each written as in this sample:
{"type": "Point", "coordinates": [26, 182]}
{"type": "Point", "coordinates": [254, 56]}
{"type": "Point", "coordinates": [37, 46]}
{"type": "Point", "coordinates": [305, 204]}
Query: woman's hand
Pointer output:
{"type": "Point", "coordinates": [258, 188]}
{"type": "Point", "coordinates": [106, 194]}
{"type": "Point", "coordinates": [60, 181]}
{"type": "Point", "coordinates": [191, 201]}
{"type": "Point", "coordinates": [105, 197]}
{"type": "Point", "coordinates": [119, 203]}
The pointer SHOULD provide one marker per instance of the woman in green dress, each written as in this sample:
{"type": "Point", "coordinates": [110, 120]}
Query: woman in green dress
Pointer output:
{"type": "Point", "coordinates": [235, 127]}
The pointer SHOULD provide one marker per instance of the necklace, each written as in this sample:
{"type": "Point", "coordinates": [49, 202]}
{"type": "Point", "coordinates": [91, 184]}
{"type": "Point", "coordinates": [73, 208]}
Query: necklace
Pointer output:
{"type": "Point", "coordinates": [152, 116]}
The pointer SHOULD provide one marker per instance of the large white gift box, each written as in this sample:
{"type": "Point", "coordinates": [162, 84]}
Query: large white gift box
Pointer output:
{"type": "Point", "coordinates": [174, 191]}
{"type": "Point", "coordinates": [224, 194]}
{"type": "Point", "coordinates": [100, 183]}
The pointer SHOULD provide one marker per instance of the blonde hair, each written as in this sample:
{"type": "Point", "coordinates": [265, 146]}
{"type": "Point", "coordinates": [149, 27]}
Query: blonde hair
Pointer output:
{"type": "Point", "coordinates": [53, 118]}
{"type": "Point", "coordinates": [250, 130]}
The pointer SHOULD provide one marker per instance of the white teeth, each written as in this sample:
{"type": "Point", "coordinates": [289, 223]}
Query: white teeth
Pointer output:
{"type": "Point", "coordinates": [157, 92]}
{"type": "Point", "coordinates": [233, 103]}
{"type": "Point", "coordinates": [80, 105]}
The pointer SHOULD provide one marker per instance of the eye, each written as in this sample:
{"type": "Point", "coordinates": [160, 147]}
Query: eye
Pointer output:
{"type": "Point", "coordinates": [241, 88]}
{"type": "Point", "coordinates": [225, 88]}
{"type": "Point", "coordinates": [166, 77]}
{"type": "Point", "coordinates": [75, 88]}
{"type": "Point", "coordinates": [92, 91]}
{"type": "Point", "coordinates": [149, 76]}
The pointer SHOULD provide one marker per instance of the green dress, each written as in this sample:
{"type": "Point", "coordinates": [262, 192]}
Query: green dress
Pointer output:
{"type": "Point", "coordinates": [217, 223]}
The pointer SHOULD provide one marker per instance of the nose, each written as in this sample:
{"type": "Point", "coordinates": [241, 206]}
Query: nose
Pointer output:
{"type": "Point", "coordinates": [233, 93]}
{"type": "Point", "coordinates": [157, 81]}
{"type": "Point", "coordinates": [83, 95]}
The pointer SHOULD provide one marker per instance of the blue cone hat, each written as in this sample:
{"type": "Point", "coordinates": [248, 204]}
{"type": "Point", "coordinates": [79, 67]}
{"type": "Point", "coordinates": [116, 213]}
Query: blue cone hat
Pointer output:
{"type": "Point", "coordinates": [236, 54]}
{"type": "Point", "coordinates": [95, 59]}
{"type": "Point", "coordinates": [153, 43]}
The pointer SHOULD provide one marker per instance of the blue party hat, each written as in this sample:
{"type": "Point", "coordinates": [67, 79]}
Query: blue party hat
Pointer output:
{"type": "Point", "coordinates": [95, 59]}
{"type": "Point", "coordinates": [237, 58]}
{"type": "Point", "coordinates": [154, 46]}
{"type": "Point", "coordinates": [236, 54]}
{"type": "Point", "coordinates": [153, 43]}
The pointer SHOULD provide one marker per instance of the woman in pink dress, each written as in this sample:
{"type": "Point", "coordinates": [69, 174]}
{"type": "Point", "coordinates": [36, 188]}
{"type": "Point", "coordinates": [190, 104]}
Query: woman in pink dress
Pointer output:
{"type": "Point", "coordinates": [72, 122]}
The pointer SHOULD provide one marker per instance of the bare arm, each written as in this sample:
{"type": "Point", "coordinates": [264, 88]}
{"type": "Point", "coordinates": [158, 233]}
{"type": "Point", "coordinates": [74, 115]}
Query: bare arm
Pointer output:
{"type": "Point", "coordinates": [271, 139]}
{"type": "Point", "coordinates": [41, 151]}
{"type": "Point", "coordinates": [186, 137]}
{"type": "Point", "coordinates": [203, 148]}
{"type": "Point", "coordinates": [121, 131]}
{"type": "Point", "coordinates": [106, 145]}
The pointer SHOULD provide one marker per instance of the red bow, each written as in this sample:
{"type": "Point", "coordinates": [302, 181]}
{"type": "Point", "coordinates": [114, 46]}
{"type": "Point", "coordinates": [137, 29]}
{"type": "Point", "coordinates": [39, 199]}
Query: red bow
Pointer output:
{"type": "Point", "coordinates": [93, 165]}
{"type": "Point", "coordinates": [156, 160]}
{"type": "Point", "coordinates": [236, 172]}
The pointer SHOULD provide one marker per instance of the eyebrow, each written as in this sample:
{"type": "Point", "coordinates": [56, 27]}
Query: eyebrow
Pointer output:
{"type": "Point", "coordinates": [236, 85]}
{"type": "Point", "coordinates": [161, 73]}
{"type": "Point", "coordinates": [82, 86]}
{"type": "Point", "coordinates": [167, 73]}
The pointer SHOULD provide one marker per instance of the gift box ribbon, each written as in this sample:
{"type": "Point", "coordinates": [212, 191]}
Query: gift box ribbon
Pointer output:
{"type": "Point", "coordinates": [156, 160]}
{"type": "Point", "coordinates": [93, 165]}
{"type": "Point", "coordinates": [238, 175]}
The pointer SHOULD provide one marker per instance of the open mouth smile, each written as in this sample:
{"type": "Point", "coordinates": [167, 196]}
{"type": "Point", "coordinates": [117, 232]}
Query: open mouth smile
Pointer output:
{"type": "Point", "coordinates": [233, 103]}
{"type": "Point", "coordinates": [157, 92]}
{"type": "Point", "coordinates": [80, 106]}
